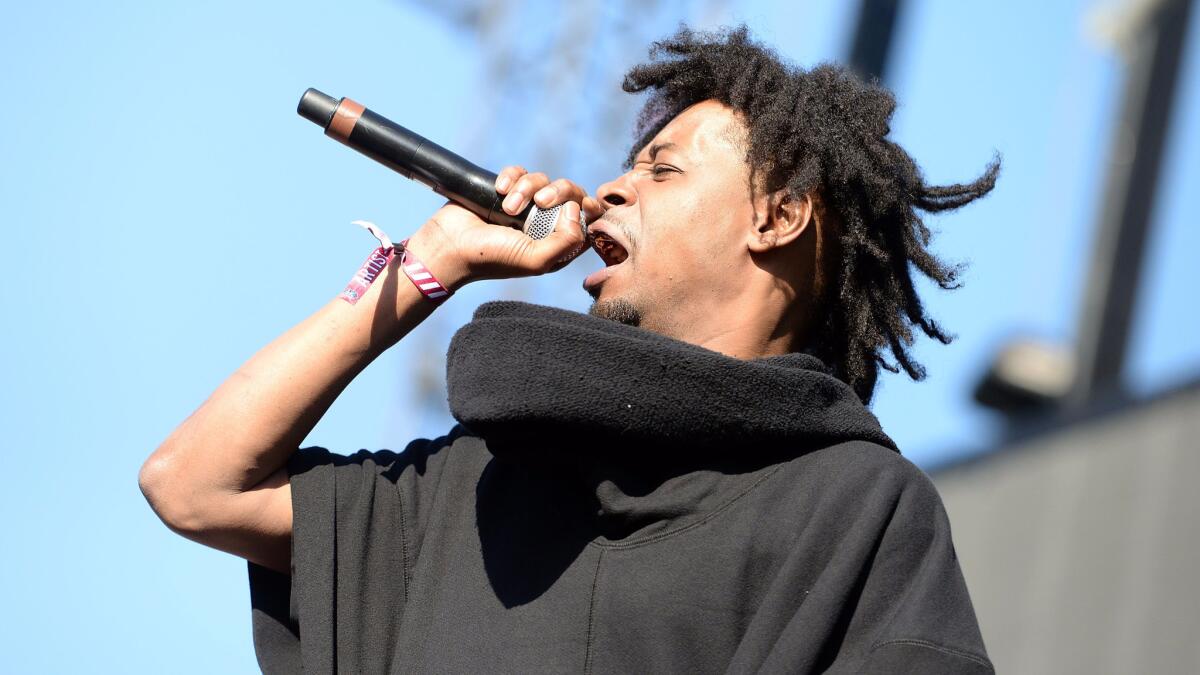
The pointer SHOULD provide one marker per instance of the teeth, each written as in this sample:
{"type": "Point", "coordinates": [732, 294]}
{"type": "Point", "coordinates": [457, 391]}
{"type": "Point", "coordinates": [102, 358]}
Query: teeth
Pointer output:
{"type": "Point", "coordinates": [612, 252]}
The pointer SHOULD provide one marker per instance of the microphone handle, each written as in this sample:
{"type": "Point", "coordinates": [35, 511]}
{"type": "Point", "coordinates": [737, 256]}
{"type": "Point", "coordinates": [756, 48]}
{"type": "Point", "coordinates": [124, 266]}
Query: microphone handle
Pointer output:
{"type": "Point", "coordinates": [412, 156]}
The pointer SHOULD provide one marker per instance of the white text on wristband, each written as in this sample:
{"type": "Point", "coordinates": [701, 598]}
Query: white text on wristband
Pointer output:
{"type": "Point", "coordinates": [372, 266]}
{"type": "Point", "coordinates": [367, 274]}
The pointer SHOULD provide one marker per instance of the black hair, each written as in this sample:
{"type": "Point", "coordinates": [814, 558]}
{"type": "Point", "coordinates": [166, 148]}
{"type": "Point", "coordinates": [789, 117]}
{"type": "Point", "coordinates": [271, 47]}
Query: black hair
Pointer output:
{"type": "Point", "coordinates": [823, 133]}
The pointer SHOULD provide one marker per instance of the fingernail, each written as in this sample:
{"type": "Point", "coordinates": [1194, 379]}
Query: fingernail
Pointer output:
{"type": "Point", "coordinates": [545, 196]}
{"type": "Point", "coordinates": [512, 203]}
{"type": "Point", "coordinates": [503, 183]}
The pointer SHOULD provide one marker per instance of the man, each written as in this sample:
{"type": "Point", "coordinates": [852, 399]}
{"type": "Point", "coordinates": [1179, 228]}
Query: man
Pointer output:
{"type": "Point", "coordinates": [687, 480]}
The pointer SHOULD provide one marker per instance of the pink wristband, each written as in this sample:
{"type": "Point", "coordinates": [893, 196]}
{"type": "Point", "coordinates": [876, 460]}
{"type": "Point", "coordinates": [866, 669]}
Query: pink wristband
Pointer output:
{"type": "Point", "coordinates": [421, 277]}
{"type": "Point", "coordinates": [375, 263]}
{"type": "Point", "coordinates": [366, 275]}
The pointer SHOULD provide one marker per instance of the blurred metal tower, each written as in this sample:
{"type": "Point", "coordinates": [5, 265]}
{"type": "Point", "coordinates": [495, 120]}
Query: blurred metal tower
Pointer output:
{"type": "Point", "coordinates": [873, 35]}
{"type": "Point", "coordinates": [1041, 387]}
{"type": "Point", "coordinates": [1151, 36]}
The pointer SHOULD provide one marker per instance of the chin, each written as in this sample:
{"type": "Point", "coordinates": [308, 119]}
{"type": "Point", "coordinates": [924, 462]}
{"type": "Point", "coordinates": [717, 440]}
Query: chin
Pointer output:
{"type": "Point", "coordinates": [620, 310]}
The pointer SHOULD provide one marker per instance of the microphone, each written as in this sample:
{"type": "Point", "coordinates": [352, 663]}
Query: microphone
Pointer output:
{"type": "Point", "coordinates": [422, 160]}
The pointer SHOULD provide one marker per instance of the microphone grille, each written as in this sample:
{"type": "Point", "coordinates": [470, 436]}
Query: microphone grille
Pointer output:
{"type": "Point", "coordinates": [540, 223]}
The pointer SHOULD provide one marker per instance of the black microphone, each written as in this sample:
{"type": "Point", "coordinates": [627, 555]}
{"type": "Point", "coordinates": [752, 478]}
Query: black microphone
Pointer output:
{"type": "Point", "coordinates": [421, 160]}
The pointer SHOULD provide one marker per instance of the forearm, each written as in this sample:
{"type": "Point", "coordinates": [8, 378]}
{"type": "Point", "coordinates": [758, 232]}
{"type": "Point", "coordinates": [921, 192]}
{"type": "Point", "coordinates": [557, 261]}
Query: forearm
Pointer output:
{"type": "Point", "coordinates": [220, 477]}
{"type": "Point", "coordinates": [252, 423]}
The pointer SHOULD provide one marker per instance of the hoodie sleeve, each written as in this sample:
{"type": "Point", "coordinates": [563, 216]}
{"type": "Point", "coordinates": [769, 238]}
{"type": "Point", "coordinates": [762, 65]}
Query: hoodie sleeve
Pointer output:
{"type": "Point", "coordinates": [886, 594]}
{"type": "Point", "coordinates": [915, 611]}
{"type": "Point", "coordinates": [357, 521]}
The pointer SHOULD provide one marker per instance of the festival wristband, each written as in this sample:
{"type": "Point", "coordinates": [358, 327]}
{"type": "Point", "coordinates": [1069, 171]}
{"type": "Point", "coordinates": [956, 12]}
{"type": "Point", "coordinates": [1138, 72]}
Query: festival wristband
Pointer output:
{"type": "Point", "coordinates": [421, 277]}
{"type": "Point", "coordinates": [375, 263]}
{"type": "Point", "coordinates": [371, 267]}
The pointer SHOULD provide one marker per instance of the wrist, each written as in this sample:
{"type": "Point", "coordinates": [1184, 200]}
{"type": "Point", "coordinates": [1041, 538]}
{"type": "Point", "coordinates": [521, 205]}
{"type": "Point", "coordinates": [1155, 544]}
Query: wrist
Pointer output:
{"type": "Point", "coordinates": [439, 258]}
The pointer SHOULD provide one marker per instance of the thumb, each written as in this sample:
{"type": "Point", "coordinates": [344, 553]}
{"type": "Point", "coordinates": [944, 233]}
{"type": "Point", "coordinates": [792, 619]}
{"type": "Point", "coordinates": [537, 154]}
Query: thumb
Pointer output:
{"type": "Point", "coordinates": [564, 243]}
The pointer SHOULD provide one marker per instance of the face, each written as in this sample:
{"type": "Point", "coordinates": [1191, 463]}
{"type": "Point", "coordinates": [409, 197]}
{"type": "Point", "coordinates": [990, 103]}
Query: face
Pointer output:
{"type": "Point", "coordinates": [673, 235]}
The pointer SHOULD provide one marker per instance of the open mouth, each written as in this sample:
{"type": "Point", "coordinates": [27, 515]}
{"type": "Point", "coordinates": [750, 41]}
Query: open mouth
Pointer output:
{"type": "Point", "coordinates": [609, 249]}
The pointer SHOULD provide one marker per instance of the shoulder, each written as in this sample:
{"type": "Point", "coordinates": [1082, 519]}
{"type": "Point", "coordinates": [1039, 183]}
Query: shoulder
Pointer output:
{"type": "Point", "coordinates": [322, 479]}
{"type": "Point", "coordinates": [857, 480]}
{"type": "Point", "coordinates": [861, 465]}
{"type": "Point", "coordinates": [380, 490]}
{"type": "Point", "coordinates": [457, 446]}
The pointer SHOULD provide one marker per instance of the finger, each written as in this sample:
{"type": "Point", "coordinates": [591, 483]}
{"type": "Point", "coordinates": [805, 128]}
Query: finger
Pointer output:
{"type": "Point", "coordinates": [561, 190]}
{"type": "Point", "coordinates": [562, 245]}
{"type": "Point", "coordinates": [593, 208]}
{"type": "Point", "coordinates": [521, 192]}
{"type": "Point", "coordinates": [507, 176]}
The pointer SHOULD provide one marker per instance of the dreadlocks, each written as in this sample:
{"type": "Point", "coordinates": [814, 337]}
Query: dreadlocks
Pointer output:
{"type": "Point", "coordinates": [822, 133]}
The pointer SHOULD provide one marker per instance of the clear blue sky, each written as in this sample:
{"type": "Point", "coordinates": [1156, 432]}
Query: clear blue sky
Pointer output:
{"type": "Point", "coordinates": [165, 213]}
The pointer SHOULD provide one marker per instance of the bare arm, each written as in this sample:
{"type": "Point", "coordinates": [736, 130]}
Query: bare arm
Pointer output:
{"type": "Point", "coordinates": [220, 477]}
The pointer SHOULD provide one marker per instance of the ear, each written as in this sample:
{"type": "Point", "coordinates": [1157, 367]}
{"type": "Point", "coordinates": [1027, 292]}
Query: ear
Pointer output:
{"type": "Point", "coordinates": [783, 220]}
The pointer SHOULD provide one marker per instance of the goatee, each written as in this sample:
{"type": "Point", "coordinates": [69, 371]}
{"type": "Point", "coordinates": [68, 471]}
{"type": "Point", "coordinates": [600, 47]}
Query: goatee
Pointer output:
{"type": "Point", "coordinates": [617, 309]}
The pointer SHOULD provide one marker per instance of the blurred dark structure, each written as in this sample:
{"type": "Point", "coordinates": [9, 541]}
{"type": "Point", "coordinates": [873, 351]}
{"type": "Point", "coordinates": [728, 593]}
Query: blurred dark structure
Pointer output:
{"type": "Point", "coordinates": [1080, 546]}
{"type": "Point", "coordinates": [1079, 534]}
{"type": "Point", "coordinates": [873, 37]}
{"type": "Point", "coordinates": [1153, 43]}
{"type": "Point", "coordinates": [1150, 35]}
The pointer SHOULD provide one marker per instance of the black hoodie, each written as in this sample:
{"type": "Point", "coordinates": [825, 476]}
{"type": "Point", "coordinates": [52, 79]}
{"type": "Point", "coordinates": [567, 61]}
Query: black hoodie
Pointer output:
{"type": "Point", "coordinates": [616, 501]}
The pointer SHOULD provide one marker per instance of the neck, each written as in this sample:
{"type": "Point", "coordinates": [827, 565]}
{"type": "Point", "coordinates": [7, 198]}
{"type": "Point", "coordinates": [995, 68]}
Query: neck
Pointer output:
{"type": "Point", "coordinates": [761, 319]}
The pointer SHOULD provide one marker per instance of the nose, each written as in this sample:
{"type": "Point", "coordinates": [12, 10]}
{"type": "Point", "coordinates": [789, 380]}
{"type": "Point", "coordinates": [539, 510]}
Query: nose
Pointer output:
{"type": "Point", "coordinates": [617, 192]}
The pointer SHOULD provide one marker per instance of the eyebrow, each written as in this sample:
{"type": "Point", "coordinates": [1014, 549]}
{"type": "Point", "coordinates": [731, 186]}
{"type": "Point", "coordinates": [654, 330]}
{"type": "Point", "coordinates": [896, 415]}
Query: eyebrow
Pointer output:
{"type": "Point", "coordinates": [658, 147]}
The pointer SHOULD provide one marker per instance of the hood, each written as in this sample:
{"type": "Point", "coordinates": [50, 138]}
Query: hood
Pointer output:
{"type": "Point", "coordinates": [659, 430]}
